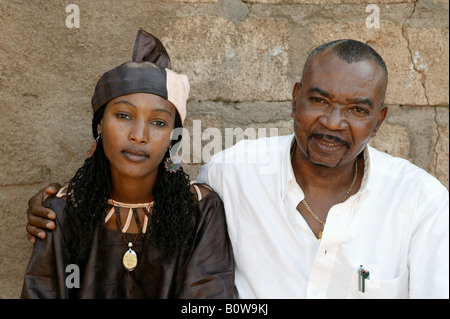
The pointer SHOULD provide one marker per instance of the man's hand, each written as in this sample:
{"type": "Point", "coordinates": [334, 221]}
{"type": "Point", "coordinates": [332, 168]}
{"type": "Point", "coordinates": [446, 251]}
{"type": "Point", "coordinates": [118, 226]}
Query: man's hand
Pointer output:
{"type": "Point", "coordinates": [40, 217]}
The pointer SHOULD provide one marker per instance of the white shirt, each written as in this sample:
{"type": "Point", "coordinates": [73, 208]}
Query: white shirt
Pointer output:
{"type": "Point", "coordinates": [396, 226]}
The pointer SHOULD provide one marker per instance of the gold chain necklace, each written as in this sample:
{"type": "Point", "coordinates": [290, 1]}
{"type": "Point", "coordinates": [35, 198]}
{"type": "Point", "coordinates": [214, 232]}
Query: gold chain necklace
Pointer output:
{"type": "Point", "coordinates": [345, 198]}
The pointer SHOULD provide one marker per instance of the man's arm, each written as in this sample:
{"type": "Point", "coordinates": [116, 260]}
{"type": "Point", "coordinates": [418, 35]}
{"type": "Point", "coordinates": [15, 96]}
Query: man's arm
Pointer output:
{"type": "Point", "coordinates": [428, 257]}
{"type": "Point", "coordinates": [39, 217]}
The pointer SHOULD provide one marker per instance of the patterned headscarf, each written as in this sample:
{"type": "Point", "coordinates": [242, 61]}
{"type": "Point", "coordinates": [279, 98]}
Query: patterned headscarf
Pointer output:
{"type": "Point", "coordinates": [149, 72]}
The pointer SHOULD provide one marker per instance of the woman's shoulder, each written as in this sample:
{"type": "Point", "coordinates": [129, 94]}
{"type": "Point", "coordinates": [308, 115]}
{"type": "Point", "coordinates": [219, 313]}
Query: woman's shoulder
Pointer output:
{"type": "Point", "coordinates": [202, 191]}
{"type": "Point", "coordinates": [206, 200]}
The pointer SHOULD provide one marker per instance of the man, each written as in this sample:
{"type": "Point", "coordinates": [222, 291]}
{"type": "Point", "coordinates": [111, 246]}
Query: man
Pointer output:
{"type": "Point", "coordinates": [336, 219]}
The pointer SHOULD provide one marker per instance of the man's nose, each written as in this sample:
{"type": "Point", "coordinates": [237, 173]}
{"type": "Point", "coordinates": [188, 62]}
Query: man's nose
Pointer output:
{"type": "Point", "coordinates": [334, 118]}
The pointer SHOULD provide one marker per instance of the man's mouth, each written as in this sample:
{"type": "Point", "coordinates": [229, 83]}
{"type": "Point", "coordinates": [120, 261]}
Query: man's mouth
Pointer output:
{"type": "Point", "coordinates": [330, 140]}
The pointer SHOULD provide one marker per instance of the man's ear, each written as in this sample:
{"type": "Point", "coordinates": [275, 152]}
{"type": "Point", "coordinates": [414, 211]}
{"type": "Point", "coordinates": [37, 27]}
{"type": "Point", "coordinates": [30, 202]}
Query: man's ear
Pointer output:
{"type": "Point", "coordinates": [381, 117]}
{"type": "Point", "coordinates": [295, 96]}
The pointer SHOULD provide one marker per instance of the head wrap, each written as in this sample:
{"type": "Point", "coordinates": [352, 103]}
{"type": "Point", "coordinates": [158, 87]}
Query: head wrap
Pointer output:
{"type": "Point", "coordinates": [148, 73]}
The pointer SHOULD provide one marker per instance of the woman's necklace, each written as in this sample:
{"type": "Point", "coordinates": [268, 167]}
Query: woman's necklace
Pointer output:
{"type": "Point", "coordinates": [345, 198]}
{"type": "Point", "coordinates": [130, 259]}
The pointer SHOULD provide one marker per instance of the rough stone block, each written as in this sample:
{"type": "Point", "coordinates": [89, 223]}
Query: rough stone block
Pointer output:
{"type": "Point", "coordinates": [264, 1]}
{"type": "Point", "coordinates": [393, 139]}
{"type": "Point", "coordinates": [401, 135]}
{"type": "Point", "coordinates": [429, 50]}
{"type": "Point", "coordinates": [294, 1]}
{"type": "Point", "coordinates": [194, 1]}
{"type": "Point", "coordinates": [263, 52]}
{"type": "Point", "coordinates": [230, 63]}
{"type": "Point", "coordinates": [441, 148]}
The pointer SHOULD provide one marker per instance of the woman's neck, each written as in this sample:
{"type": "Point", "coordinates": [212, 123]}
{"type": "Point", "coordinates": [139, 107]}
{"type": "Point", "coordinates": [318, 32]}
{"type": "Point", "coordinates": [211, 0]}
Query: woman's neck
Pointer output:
{"type": "Point", "coordinates": [132, 190]}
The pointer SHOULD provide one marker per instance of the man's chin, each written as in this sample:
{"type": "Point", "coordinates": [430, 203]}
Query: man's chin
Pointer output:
{"type": "Point", "coordinates": [323, 161]}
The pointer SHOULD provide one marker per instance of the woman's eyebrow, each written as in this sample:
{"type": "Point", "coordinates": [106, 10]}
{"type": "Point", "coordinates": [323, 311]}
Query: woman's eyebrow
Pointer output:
{"type": "Point", "coordinates": [132, 105]}
{"type": "Point", "coordinates": [124, 102]}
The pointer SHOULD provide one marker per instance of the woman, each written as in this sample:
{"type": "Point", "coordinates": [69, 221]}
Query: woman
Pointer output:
{"type": "Point", "coordinates": [129, 218]}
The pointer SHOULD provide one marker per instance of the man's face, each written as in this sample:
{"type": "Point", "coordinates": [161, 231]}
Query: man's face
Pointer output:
{"type": "Point", "coordinates": [337, 108]}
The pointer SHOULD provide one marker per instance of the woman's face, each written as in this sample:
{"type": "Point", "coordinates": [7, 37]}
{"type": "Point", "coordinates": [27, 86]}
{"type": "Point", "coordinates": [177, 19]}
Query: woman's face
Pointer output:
{"type": "Point", "coordinates": [136, 131]}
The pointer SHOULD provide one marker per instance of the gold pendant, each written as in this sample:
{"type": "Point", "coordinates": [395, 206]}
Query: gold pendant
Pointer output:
{"type": "Point", "coordinates": [130, 258]}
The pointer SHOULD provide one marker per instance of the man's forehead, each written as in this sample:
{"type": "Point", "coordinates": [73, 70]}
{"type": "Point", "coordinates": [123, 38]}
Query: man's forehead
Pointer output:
{"type": "Point", "coordinates": [330, 67]}
{"type": "Point", "coordinates": [361, 80]}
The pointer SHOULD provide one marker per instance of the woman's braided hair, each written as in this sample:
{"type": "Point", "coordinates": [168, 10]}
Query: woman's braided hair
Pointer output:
{"type": "Point", "coordinates": [89, 191]}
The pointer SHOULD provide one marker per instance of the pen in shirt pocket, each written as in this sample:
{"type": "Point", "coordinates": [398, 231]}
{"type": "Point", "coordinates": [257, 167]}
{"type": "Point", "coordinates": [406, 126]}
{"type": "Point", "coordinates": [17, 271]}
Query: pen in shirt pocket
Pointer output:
{"type": "Point", "coordinates": [363, 275]}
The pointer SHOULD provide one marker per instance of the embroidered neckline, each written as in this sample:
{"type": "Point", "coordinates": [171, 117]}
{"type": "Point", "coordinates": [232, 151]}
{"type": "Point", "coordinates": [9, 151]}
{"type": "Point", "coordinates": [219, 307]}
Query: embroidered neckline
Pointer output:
{"type": "Point", "coordinates": [125, 205]}
{"type": "Point", "coordinates": [115, 206]}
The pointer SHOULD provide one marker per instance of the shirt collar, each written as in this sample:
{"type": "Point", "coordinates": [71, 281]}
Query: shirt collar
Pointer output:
{"type": "Point", "coordinates": [287, 172]}
{"type": "Point", "coordinates": [368, 171]}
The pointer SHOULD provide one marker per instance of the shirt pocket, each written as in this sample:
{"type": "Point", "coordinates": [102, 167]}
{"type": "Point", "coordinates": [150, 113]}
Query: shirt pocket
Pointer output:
{"type": "Point", "coordinates": [395, 288]}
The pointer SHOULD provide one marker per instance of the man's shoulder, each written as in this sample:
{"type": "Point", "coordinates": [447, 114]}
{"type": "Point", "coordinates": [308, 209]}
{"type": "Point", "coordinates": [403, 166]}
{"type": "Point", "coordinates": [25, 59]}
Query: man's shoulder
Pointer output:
{"type": "Point", "coordinates": [403, 169]}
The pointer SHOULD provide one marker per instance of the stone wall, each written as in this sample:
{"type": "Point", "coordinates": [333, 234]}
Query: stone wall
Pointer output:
{"type": "Point", "coordinates": [242, 58]}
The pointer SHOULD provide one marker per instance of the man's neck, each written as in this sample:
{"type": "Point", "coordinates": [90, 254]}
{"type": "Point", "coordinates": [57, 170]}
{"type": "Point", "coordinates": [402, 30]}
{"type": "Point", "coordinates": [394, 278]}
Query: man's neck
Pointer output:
{"type": "Point", "coordinates": [326, 181]}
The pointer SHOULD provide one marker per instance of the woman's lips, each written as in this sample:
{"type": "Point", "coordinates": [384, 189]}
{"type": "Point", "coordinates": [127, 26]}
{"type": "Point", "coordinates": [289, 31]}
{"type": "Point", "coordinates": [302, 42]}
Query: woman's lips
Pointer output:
{"type": "Point", "coordinates": [135, 155]}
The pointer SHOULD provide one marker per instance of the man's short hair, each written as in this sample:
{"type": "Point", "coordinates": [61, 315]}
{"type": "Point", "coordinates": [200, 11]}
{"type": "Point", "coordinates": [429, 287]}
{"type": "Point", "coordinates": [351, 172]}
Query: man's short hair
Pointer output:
{"type": "Point", "coordinates": [350, 51]}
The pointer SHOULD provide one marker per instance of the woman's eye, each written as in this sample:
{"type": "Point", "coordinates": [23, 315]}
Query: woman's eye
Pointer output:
{"type": "Point", "coordinates": [158, 123]}
{"type": "Point", "coordinates": [123, 116]}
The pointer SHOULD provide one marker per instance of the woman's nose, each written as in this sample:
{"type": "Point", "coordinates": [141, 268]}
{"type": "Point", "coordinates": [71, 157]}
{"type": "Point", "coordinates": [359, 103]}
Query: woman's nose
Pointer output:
{"type": "Point", "coordinates": [139, 132]}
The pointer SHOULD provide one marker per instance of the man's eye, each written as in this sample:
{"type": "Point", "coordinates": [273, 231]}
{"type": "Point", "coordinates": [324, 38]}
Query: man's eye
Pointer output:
{"type": "Point", "coordinates": [318, 100]}
{"type": "Point", "coordinates": [360, 110]}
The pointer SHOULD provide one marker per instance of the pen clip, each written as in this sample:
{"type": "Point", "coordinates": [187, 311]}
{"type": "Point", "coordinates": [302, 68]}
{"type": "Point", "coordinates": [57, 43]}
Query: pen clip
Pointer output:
{"type": "Point", "coordinates": [363, 274]}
